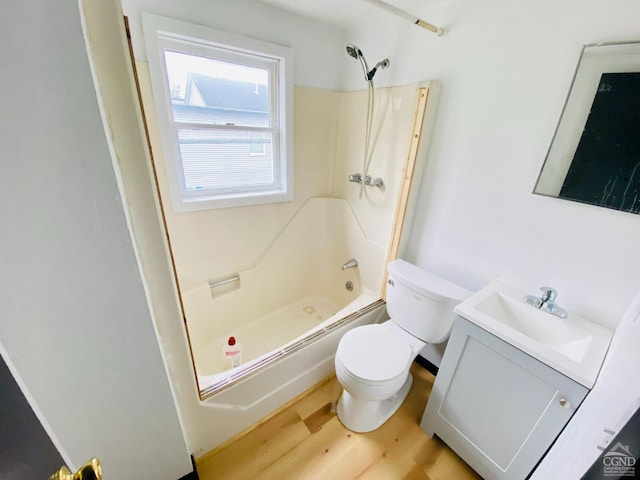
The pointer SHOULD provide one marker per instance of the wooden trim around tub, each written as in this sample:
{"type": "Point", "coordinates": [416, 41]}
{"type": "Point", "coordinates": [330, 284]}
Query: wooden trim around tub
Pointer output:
{"type": "Point", "coordinates": [420, 134]}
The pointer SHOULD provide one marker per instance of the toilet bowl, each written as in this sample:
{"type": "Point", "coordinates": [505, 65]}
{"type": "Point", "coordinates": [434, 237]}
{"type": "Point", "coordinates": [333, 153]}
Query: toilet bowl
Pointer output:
{"type": "Point", "coordinates": [372, 365]}
{"type": "Point", "coordinates": [372, 361]}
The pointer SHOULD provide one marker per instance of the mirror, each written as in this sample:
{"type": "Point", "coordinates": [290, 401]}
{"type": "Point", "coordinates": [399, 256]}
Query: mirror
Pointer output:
{"type": "Point", "coordinates": [594, 156]}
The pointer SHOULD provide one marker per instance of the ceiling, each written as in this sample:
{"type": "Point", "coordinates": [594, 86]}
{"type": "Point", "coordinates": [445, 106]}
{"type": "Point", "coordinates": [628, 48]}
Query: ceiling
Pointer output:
{"type": "Point", "coordinates": [346, 14]}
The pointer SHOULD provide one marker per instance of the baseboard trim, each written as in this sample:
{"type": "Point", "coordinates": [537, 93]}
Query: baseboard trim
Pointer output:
{"type": "Point", "coordinates": [427, 365]}
{"type": "Point", "coordinates": [192, 475]}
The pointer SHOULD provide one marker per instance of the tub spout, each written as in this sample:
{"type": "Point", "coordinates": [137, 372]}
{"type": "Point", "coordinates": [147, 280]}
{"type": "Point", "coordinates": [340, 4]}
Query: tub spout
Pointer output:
{"type": "Point", "coordinates": [353, 263]}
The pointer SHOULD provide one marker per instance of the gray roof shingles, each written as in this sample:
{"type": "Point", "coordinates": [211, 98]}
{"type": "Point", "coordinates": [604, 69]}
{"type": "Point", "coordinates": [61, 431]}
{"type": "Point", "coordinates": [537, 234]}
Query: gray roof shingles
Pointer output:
{"type": "Point", "coordinates": [230, 94]}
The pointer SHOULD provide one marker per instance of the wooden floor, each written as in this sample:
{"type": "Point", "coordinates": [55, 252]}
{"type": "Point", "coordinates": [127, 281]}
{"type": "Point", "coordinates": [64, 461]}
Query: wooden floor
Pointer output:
{"type": "Point", "coordinates": [307, 441]}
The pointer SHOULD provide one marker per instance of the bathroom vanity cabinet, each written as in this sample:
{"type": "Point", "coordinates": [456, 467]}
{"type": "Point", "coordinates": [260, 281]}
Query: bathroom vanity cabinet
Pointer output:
{"type": "Point", "coordinates": [497, 407]}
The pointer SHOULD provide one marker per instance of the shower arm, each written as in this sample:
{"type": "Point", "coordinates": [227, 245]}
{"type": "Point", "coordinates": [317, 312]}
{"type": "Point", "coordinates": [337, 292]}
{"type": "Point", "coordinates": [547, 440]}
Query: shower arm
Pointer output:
{"type": "Point", "coordinates": [407, 16]}
{"type": "Point", "coordinates": [381, 64]}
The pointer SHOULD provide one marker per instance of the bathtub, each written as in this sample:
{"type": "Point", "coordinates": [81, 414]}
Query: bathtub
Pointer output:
{"type": "Point", "coordinates": [295, 294]}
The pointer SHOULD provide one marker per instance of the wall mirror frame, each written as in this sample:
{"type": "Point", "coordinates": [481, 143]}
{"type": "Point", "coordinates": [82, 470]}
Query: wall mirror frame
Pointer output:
{"type": "Point", "coordinates": [594, 156]}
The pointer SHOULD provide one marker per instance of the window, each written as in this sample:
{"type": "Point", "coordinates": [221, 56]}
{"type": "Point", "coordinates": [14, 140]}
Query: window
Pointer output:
{"type": "Point", "coordinates": [224, 104]}
{"type": "Point", "coordinates": [257, 144]}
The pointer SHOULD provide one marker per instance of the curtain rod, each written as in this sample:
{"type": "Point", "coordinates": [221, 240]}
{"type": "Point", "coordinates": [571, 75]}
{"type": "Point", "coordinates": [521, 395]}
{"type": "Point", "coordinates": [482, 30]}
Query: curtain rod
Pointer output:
{"type": "Point", "coordinates": [407, 16]}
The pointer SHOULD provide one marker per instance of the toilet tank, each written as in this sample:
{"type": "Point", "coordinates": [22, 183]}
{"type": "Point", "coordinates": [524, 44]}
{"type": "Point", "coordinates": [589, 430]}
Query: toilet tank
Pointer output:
{"type": "Point", "coordinates": [422, 303]}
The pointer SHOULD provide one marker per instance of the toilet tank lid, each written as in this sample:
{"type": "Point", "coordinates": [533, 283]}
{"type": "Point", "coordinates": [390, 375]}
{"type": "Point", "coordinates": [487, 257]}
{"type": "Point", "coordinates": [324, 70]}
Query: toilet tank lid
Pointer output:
{"type": "Point", "coordinates": [427, 283]}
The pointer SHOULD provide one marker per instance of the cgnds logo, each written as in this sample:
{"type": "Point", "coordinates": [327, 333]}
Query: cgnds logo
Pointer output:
{"type": "Point", "coordinates": [619, 462]}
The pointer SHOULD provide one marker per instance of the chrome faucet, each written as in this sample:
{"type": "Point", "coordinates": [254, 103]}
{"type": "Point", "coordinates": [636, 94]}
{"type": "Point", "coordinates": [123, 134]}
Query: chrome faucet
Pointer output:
{"type": "Point", "coordinates": [366, 179]}
{"type": "Point", "coordinates": [353, 263]}
{"type": "Point", "coordinates": [546, 302]}
{"type": "Point", "coordinates": [355, 178]}
{"type": "Point", "coordinates": [373, 182]}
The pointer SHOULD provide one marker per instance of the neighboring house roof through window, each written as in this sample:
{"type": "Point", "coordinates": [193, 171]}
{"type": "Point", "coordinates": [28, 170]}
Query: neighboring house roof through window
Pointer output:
{"type": "Point", "coordinates": [228, 94]}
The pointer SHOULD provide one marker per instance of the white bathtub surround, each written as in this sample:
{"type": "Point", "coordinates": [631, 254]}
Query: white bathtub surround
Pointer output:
{"type": "Point", "coordinates": [301, 244]}
{"type": "Point", "coordinates": [329, 134]}
{"type": "Point", "coordinates": [276, 330]}
{"type": "Point", "coordinates": [218, 243]}
{"type": "Point", "coordinates": [308, 293]}
{"type": "Point", "coordinates": [249, 400]}
{"type": "Point", "coordinates": [304, 261]}
{"type": "Point", "coordinates": [269, 338]}
{"type": "Point", "coordinates": [264, 335]}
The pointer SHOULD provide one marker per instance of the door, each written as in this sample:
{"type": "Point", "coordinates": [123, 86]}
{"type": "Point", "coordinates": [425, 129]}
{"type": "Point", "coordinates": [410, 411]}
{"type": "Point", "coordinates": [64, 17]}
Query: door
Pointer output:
{"type": "Point", "coordinates": [26, 451]}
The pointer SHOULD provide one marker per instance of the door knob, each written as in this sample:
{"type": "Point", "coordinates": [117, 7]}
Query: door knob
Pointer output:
{"type": "Point", "coordinates": [564, 403]}
{"type": "Point", "coordinates": [89, 471]}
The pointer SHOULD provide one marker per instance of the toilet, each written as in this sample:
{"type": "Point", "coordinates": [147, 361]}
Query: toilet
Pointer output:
{"type": "Point", "coordinates": [372, 361]}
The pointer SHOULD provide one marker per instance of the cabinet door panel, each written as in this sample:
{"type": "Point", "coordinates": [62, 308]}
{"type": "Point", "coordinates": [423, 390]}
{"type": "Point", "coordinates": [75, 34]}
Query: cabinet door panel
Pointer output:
{"type": "Point", "coordinates": [496, 406]}
{"type": "Point", "coordinates": [493, 402]}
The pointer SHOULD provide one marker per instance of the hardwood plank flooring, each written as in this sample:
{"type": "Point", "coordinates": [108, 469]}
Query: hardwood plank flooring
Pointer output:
{"type": "Point", "coordinates": [306, 441]}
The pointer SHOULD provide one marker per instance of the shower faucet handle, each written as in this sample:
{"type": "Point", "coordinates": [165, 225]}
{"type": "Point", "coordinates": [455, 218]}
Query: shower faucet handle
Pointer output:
{"type": "Point", "coordinates": [373, 182]}
{"type": "Point", "coordinates": [355, 178]}
{"type": "Point", "coordinates": [549, 294]}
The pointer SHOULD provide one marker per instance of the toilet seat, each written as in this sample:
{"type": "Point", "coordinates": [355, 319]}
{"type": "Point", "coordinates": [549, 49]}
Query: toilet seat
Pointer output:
{"type": "Point", "coordinates": [372, 354]}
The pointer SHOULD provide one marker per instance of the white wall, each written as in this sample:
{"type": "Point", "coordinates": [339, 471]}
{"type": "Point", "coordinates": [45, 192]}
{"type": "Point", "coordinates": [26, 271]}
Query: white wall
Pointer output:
{"type": "Point", "coordinates": [609, 405]}
{"type": "Point", "coordinates": [505, 68]}
{"type": "Point", "coordinates": [75, 323]}
{"type": "Point", "coordinates": [319, 49]}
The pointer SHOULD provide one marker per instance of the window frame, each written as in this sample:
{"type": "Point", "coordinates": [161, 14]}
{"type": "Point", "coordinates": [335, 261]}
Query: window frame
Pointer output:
{"type": "Point", "coordinates": [166, 34]}
{"type": "Point", "coordinates": [263, 150]}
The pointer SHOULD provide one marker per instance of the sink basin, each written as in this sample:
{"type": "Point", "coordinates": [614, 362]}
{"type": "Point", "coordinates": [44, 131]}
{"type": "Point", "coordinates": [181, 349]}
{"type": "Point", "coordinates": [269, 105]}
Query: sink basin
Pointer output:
{"type": "Point", "coordinates": [563, 335]}
{"type": "Point", "coordinates": [575, 346]}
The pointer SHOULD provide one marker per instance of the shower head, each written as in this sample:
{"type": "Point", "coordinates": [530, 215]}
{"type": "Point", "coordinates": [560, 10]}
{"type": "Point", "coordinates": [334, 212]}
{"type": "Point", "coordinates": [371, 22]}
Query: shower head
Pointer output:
{"type": "Point", "coordinates": [353, 51]}
{"type": "Point", "coordinates": [356, 53]}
